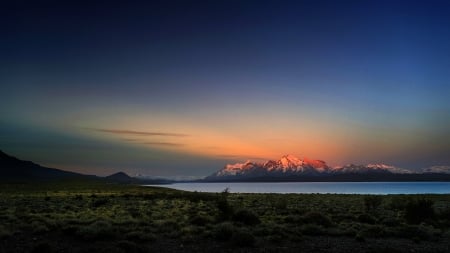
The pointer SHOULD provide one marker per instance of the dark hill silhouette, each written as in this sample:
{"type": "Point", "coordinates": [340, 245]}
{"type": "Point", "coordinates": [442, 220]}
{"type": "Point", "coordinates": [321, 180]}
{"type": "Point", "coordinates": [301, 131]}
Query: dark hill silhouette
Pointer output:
{"type": "Point", "coordinates": [16, 170]}
{"type": "Point", "coordinates": [12, 168]}
{"type": "Point", "coordinates": [121, 177]}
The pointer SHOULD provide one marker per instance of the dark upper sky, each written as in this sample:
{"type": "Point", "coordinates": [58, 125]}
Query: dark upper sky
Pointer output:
{"type": "Point", "coordinates": [182, 87]}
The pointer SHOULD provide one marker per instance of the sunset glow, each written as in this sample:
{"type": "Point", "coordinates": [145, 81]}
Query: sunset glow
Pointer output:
{"type": "Point", "coordinates": [183, 89]}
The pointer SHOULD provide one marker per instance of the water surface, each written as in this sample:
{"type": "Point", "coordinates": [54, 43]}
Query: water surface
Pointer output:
{"type": "Point", "coordinates": [319, 187]}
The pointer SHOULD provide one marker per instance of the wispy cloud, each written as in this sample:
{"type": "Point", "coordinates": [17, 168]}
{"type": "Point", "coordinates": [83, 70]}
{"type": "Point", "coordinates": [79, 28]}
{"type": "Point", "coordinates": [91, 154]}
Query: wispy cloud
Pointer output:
{"type": "Point", "coordinates": [229, 156]}
{"type": "Point", "coordinates": [133, 132]}
{"type": "Point", "coordinates": [130, 140]}
{"type": "Point", "coordinates": [243, 157]}
{"type": "Point", "coordinates": [163, 143]}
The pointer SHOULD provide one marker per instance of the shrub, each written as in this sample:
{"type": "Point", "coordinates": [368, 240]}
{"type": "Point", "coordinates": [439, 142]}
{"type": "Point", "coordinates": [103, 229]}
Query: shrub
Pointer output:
{"type": "Point", "coordinates": [42, 247]}
{"type": "Point", "coordinates": [416, 232]}
{"type": "Point", "coordinates": [317, 218]}
{"type": "Point", "coordinates": [200, 220]}
{"type": "Point", "coordinates": [39, 227]}
{"type": "Point", "coordinates": [246, 217]}
{"type": "Point", "coordinates": [134, 212]}
{"type": "Point", "coordinates": [170, 227]}
{"type": "Point", "coordinates": [360, 238]}
{"type": "Point", "coordinates": [366, 218]}
{"type": "Point", "coordinates": [99, 202]}
{"type": "Point", "coordinates": [127, 246]}
{"type": "Point", "coordinates": [98, 230]}
{"type": "Point", "coordinates": [372, 202]}
{"type": "Point", "coordinates": [140, 236]}
{"type": "Point", "coordinates": [224, 231]}
{"type": "Point", "coordinates": [281, 204]}
{"type": "Point", "coordinates": [445, 214]}
{"type": "Point", "coordinates": [293, 219]}
{"type": "Point", "coordinates": [4, 233]}
{"type": "Point", "coordinates": [419, 210]}
{"type": "Point", "coordinates": [243, 238]}
{"type": "Point", "coordinates": [312, 229]}
{"type": "Point", "coordinates": [390, 222]}
{"type": "Point", "coordinates": [398, 203]}
{"type": "Point", "coordinates": [225, 209]}
{"type": "Point", "coordinates": [78, 197]}
{"type": "Point", "coordinates": [70, 229]}
{"type": "Point", "coordinates": [374, 231]}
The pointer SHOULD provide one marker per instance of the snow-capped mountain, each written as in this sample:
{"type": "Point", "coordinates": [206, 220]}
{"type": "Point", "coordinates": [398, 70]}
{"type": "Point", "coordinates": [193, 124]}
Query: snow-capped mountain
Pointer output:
{"type": "Point", "coordinates": [291, 168]}
{"type": "Point", "coordinates": [437, 169]}
{"type": "Point", "coordinates": [286, 165]}
{"type": "Point", "coordinates": [371, 168]}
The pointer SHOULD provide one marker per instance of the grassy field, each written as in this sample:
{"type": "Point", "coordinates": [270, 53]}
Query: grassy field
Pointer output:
{"type": "Point", "coordinates": [100, 217]}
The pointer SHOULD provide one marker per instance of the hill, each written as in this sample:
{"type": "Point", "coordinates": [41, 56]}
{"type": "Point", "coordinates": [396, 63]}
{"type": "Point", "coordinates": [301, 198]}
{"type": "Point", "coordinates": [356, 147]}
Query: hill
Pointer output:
{"type": "Point", "coordinates": [13, 169]}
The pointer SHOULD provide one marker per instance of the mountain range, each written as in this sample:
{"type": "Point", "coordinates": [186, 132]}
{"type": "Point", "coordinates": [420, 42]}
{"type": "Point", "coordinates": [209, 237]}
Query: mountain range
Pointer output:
{"type": "Point", "coordinates": [287, 168]}
{"type": "Point", "coordinates": [291, 168]}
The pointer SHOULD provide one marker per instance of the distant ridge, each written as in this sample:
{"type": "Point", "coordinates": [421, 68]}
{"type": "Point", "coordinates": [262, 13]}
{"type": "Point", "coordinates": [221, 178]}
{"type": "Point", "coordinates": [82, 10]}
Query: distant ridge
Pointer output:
{"type": "Point", "coordinates": [121, 177]}
{"type": "Point", "coordinates": [16, 170]}
{"type": "Point", "coordinates": [291, 168]}
{"type": "Point", "coordinates": [12, 168]}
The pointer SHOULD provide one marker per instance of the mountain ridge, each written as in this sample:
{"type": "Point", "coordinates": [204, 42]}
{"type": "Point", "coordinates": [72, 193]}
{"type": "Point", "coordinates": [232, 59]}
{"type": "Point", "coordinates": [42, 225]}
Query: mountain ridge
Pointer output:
{"type": "Point", "coordinates": [14, 170]}
{"type": "Point", "coordinates": [291, 168]}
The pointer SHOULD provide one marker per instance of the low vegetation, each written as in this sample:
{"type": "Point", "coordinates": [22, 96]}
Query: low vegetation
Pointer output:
{"type": "Point", "coordinates": [99, 217]}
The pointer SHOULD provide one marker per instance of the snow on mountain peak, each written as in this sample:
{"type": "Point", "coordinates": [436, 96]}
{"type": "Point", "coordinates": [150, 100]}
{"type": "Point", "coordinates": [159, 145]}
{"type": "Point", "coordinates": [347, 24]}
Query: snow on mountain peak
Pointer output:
{"type": "Point", "coordinates": [389, 168]}
{"type": "Point", "coordinates": [289, 165]}
{"type": "Point", "coordinates": [352, 168]}
{"type": "Point", "coordinates": [286, 164]}
{"type": "Point", "coordinates": [237, 165]}
{"type": "Point", "coordinates": [289, 161]}
{"type": "Point", "coordinates": [437, 169]}
{"type": "Point", "coordinates": [380, 166]}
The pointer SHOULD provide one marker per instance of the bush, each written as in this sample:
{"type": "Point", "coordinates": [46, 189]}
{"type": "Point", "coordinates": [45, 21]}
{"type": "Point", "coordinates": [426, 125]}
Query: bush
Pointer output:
{"type": "Point", "coordinates": [372, 202]}
{"type": "Point", "coordinates": [140, 236]}
{"type": "Point", "coordinates": [4, 233]}
{"type": "Point", "coordinates": [445, 214]}
{"type": "Point", "coordinates": [312, 229]}
{"type": "Point", "coordinates": [374, 231]}
{"type": "Point", "coordinates": [225, 209]}
{"type": "Point", "coordinates": [200, 220]}
{"type": "Point", "coordinates": [398, 203]}
{"type": "Point", "coordinates": [366, 218]}
{"type": "Point", "coordinates": [99, 202]}
{"type": "Point", "coordinates": [281, 204]}
{"type": "Point", "coordinates": [39, 227]}
{"type": "Point", "coordinates": [293, 219]}
{"type": "Point", "coordinates": [78, 197]}
{"type": "Point", "coordinates": [391, 222]}
{"type": "Point", "coordinates": [127, 246]}
{"type": "Point", "coordinates": [416, 232]}
{"type": "Point", "coordinates": [419, 210]}
{"type": "Point", "coordinates": [224, 231]}
{"type": "Point", "coordinates": [360, 238]}
{"type": "Point", "coordinates": [317, 218]}
{"type": "Point", "coordinates": [243, 238]}
{"type": "Point", "coordinates": [246, 217]}
{"type": "Point", "coordinates": [42, 247]}
{"type": "Point", "coordinates": [169, 226]}
{"type": "Point", "coordinates": [98, 230]}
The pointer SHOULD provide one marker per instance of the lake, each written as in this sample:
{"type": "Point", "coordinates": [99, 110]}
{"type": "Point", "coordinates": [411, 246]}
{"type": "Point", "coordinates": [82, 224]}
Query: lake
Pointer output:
{"type": "Point", "coordinates": [318, 187]}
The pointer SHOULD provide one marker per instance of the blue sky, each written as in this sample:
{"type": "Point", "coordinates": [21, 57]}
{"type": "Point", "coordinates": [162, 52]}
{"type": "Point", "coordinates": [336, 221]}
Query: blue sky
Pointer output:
{"type": "Point", "coordinates": [226, 81]}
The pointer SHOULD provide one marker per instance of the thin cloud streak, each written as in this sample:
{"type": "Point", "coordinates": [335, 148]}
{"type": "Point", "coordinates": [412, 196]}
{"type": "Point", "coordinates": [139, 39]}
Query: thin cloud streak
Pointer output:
{"type": "Point", "coordinates": [132, 132]}
{"type": "Point", "coordinates": [163, 143]}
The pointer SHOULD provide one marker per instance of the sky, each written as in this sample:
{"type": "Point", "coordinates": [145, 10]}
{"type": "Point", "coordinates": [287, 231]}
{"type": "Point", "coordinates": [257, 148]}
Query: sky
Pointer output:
{"type": "Point", "coordinates": [180, 88]}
